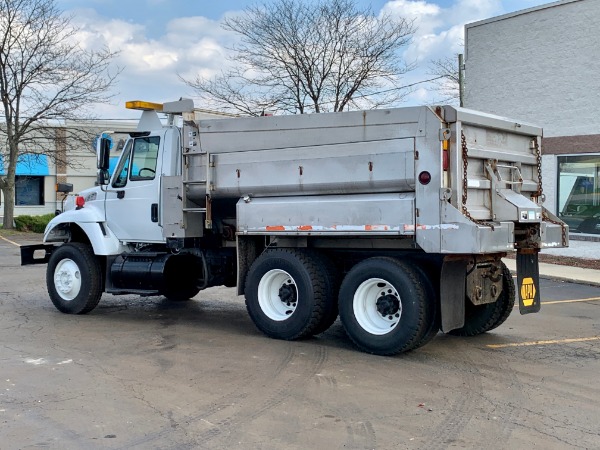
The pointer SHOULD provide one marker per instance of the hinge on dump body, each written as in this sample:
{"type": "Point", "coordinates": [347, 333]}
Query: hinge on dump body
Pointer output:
{"type": "Point", "coordinates": [445, 134]}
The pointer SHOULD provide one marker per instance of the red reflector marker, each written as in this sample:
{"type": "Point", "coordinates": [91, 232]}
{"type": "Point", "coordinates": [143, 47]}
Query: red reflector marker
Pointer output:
{"type": "Point", "coordinates": [79, 201]}
{"type": "Point", "coordinates": [424, 177]}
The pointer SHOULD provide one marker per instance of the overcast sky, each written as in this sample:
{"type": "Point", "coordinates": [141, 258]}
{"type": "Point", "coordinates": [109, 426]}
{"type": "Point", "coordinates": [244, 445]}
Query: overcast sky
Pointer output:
{"type": "Point", "coordinates": [159, 39]}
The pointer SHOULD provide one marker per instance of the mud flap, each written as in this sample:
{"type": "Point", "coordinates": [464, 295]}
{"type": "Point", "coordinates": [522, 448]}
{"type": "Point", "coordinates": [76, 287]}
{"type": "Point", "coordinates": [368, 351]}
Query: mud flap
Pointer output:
{"type": "Point", "coordinates": [528, 281]}
{"type": "Point", "coordinates": [452, 294]}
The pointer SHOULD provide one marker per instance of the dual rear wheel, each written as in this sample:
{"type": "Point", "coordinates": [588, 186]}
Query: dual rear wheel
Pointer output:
{"type": "Point", "coordinates": [289, 293]}
{"type": "Point", "coordinates": [385, 305]}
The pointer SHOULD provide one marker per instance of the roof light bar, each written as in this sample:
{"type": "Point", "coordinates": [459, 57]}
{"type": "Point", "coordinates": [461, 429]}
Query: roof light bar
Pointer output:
{"type": "Point", "coordinates": [144, 106]}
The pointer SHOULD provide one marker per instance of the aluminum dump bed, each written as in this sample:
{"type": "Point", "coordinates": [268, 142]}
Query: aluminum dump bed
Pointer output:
{"type": "Point", "coordinates": [457, 181]}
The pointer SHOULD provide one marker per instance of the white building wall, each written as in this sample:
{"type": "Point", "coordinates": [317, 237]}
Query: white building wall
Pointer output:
{"type": "Point", "coordinates": [540, 65]}
{"type": "Point", "coordinates": [550, 181]}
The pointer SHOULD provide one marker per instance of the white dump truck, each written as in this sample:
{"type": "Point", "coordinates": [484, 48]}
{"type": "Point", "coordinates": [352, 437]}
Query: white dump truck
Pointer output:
{"type": "Point", "coordinates": [395, 220]}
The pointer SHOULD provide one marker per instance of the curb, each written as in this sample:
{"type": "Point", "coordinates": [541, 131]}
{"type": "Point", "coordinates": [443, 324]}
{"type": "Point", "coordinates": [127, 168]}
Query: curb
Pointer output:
{"type": "Point", "coordinates": [566, 274]}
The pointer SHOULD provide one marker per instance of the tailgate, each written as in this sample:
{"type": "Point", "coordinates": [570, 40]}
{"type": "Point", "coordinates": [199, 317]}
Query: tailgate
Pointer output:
{"type": "Point", "coordinates": [497, 171]}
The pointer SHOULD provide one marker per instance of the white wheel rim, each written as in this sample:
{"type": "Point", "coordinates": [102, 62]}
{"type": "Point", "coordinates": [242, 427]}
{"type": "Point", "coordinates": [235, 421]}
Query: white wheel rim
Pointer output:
{"type": "Point", "coordinates": [277, 295]}
{"type": "Point", "coordinates": [67, 279]}
{"type": "Point", "coordinates": [377, 306]}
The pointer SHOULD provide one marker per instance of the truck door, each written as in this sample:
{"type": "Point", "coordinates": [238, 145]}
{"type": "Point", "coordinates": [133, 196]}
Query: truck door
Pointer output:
{"type": "Point", "coordinates": [132, 199]}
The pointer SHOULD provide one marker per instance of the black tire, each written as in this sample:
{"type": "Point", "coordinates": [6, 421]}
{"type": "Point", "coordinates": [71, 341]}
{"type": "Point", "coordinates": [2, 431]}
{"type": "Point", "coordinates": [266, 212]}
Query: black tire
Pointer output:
{"type": "Point", "coordinates": [482, 318]}
{"type": "Point", "coordinates": [74, 278]}
{"type": "Point", "coordinates": [330, 312]}
{"type": "Point", "coordinates": [386, 324]}
{"type": "Point", "coordinates": [433, 305]}
{"type": "Point", "coordinates": [288, 294]}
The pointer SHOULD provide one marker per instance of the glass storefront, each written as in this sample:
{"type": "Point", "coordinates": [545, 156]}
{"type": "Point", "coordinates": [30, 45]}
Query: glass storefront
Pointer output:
{"type": "Point", "coordinates": [579, 192]}
{"type": "Point", "coordinates": [29, 191]}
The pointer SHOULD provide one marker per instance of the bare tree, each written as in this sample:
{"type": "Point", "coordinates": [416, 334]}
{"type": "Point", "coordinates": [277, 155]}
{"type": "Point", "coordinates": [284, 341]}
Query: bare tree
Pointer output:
{"type": "Point", "coordinates": [45, 78]}
{"type": "Point", "coordinates": [448, 81]}
{"type": "Point", "coordinates": [299, 57]}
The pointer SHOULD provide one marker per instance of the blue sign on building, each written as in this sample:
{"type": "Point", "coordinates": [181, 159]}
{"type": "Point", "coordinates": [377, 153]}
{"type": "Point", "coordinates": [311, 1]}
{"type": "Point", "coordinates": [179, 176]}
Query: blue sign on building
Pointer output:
{"type": "Point", "coordinates": [29, 164]}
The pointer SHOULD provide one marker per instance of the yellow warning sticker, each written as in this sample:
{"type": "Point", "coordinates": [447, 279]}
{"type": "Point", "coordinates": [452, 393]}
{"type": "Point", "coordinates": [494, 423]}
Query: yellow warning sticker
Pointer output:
{"type": "Point", "coordinates": [528, 291]}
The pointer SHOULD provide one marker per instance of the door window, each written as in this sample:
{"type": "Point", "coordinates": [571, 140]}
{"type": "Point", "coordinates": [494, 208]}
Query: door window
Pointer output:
{"type": "Point", "coordinates": [145, 154]}
{"type": "Point", "coordinates": [123, 166]}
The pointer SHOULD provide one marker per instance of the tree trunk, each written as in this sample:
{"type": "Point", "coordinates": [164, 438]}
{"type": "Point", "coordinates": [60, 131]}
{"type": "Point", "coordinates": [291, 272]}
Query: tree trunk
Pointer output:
{"type": "Point", "coordinates": [9, 206]}
{"type": "Point", "coordinates": [8, 185]}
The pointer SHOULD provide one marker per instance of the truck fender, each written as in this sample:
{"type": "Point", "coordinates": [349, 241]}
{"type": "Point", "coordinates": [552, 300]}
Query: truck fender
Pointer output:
{"type": "Point", "coordinates": [101, 237]}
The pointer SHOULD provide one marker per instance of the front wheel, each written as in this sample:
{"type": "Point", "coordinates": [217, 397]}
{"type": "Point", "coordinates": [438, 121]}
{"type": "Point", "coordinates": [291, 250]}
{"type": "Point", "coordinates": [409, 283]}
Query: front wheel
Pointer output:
{"type": "Point", "coordinates": [74, 278]}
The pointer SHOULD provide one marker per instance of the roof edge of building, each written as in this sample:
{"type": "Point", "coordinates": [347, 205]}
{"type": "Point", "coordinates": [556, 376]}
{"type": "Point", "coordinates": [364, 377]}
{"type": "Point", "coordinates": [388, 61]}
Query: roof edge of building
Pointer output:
{"type": "Point", "coordinates": [519, 13]}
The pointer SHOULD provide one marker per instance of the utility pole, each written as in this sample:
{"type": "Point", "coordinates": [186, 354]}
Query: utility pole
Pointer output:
{"type": "Point", "coordinates": [461, 80]}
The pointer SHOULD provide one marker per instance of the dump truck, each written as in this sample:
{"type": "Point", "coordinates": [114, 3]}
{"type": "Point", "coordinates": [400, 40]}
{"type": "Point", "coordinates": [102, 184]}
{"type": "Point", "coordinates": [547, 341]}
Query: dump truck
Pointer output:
{"type": "Point", "coordinates": [394, 220]}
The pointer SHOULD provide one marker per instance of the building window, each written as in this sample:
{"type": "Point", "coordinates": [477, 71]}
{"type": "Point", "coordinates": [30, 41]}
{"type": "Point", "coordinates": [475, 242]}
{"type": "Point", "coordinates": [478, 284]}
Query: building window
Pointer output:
{"type": "Point", "coordinates": [579, 192]}
{"type": "Point", "coordinates": [29, 191]}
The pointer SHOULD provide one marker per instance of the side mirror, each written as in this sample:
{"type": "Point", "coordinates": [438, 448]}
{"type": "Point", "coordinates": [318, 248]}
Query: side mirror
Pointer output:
{"type": "Point", "coordinates": [103, 177]}
{"type": "Point", "coordinates": [103, 153]}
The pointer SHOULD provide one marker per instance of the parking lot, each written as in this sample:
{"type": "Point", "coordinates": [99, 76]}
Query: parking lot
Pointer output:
{"type": "Point", "coordinates": [149, 373]}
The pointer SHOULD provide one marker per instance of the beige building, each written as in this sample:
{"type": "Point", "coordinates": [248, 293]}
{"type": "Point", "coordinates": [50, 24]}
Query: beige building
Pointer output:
{"type": "Point", "coordinates": [72, 162]}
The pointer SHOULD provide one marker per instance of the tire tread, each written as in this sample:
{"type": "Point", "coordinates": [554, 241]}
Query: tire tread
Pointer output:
{"type": "Point", "coordinates": [92, 265]}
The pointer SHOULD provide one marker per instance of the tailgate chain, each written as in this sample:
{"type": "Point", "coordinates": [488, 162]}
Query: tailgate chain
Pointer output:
{"type": "Point", "coordinates": [538, 156]}
{"type": "Point", "coordinates": [465, 211]}
{"type": "Point", "coordinates": [540, 194]}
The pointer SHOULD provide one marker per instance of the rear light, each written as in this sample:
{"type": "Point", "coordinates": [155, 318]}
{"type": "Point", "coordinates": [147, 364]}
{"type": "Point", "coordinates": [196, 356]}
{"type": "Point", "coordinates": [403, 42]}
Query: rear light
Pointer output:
{"type": "Point", "coordinates": [445, 155]}
{"type": "Point", "coordinates": [79, 202]}
{"type": "Point", "coordinates": [424, 177]}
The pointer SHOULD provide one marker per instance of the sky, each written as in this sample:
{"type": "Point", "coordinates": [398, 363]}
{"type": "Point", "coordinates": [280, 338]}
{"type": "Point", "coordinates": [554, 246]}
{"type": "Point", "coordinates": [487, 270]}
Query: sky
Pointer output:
{"type": "Point", "coordinates": [161, 41]}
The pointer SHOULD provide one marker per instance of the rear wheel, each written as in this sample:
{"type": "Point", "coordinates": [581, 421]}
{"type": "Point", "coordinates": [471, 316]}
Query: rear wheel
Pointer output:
{"type": "Point", "coordinates": [288, 293]}
{"type": "Point", "coordinates": [385, 306]}
{"type": "Point", "coordinates": [482, 318]}
{"type": "Point", "coordinates": [74, 278]}
{"type": "Point", "coordinates": [432, 304]}
{"type": "Point", "coordinates": [330, 311]}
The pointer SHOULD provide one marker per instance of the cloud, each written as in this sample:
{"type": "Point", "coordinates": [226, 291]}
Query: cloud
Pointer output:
{"type": "Point", "coordinates": [439, 34]}
{"type": "Point", "coordinates": [151, 66]}
{"type": "Point", "coordinates": [154, 56]}
{"type": "Point", "coordinates": [440, 31]}
{"type": "Point", "coordinates": [426, 16]}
